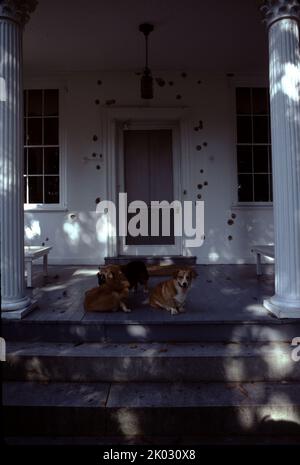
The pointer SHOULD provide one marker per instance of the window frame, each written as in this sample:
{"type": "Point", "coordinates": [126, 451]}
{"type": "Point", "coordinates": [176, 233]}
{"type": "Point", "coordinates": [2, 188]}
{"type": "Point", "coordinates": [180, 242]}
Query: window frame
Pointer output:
{"type": "Point", "coordinates": [62, 90]}
{"type": "Point", "coordinates": [254, 82]}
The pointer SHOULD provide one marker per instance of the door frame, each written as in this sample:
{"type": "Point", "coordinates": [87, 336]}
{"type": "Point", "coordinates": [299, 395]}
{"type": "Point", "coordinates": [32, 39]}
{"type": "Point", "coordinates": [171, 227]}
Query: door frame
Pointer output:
{"type": "Point", "coordinates": [135, 125]}
{"type": "Point", "coordinates": [109, 120]}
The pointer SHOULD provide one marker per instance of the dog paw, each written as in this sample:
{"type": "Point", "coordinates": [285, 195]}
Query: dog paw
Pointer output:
{"type": "Point", "coordinates": [126, 310]}
{"type": "Point", "coordinates": [182, 310]}
{"type": "Point", "coordinates": [174, 311]}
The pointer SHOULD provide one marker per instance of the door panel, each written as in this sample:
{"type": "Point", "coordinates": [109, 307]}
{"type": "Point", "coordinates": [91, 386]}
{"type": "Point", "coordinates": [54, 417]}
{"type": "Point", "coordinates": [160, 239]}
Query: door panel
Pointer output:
{"type": "Point", "coordinates": [136, 165]}
{"type": "Point", "coordinates": [148, 173]}
{"type": "Point", "coordinates": [161, 165]}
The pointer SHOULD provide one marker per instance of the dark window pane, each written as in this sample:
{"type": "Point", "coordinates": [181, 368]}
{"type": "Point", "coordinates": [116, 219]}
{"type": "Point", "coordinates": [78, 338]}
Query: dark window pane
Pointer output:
{"type": "Point", "coordinates": [261, 158]}
{"type": "Point", "coordinates": [34, 136]}
{"type": "Point", "coordinates": [245, 188]}
{"type": "Point", "coordinates": [243, 100]}
{"type": "Point", "coordinates": [261, 187]}
{"type": "Point", "coordinates": [25, 102]}
{"type": "Point", "coordinates": [25, 131]}
{"type": "Point", "coordinates": [260, 101]}
{"type": "Point", "coordinates": [254, 129]}
{"type": "Point", "coordinates": [25, 161]}
{"type": "Point", "coordinates": [51, 189]}
{"type": "Point", "coordinates": [271, 187]}
{"type": "Point", "coordinates": [260, 129]}
{"type": "Point", "coordinates": [51, 160]}
{"type": "Point", "coordinates": [35, 161]}
{"type": "Point", "coordinates": [244, 129]}
{"type": "Point", "coordinates": [51, 131]}
{"type": "Point", "coordinates": [244, 158]}
{"type": "Point", "coordinates": [25, 189]}
{"type": "Point", "coordinates": [35, 102]}
{"type": "Point", "coordinates": [269, 129]}
{"type": "Point", "coordinates": [35, 184]}
{"type": "Point", "coordinates": [51, 102]}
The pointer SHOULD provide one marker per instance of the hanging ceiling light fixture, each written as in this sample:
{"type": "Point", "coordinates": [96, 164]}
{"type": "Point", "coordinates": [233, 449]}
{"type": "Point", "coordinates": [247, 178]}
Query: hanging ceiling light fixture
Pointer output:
{"type": "Point", "coordinates": [146, 80]}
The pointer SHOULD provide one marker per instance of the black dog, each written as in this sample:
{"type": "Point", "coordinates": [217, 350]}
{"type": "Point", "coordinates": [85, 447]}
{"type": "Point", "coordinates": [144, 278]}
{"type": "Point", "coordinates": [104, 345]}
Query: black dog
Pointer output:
{"type": "Point", "coordinates": [136, 273]}
{"type": "Point", "coordinates": [101, 278]}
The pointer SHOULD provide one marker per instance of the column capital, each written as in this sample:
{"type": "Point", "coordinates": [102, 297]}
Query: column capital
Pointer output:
{"type": "Point", "coordinates": [275, 10]}
{"type": "Point", "coordinates": [17, 10]}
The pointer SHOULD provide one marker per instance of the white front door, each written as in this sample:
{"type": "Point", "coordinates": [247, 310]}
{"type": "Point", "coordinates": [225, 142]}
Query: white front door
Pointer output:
{"type": "Point", "coordinates": [149, 171]}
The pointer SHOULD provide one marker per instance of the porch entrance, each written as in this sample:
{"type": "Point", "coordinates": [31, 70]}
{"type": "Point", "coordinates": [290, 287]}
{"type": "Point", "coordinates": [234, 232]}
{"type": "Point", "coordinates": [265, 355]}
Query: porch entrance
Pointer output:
{"type": "Point", "coordinates": [149, 171]}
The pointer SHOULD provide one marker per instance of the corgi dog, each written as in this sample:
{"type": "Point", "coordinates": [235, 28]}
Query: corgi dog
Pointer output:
{"type": "Point", "coordinates": [111, 294]}
{"type": "Point", "coordinates": [171, 294]}
{"type": "Point", "coordinates": [107, 273]}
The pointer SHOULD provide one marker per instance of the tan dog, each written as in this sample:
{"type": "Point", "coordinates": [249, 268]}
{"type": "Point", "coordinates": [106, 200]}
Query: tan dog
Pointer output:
{"type": "Point", "coordinates": [110, 295]}
{"type": "Point", "coordinates": [107, 273]}
{"type": "Point", "coordinates": [171, 294]}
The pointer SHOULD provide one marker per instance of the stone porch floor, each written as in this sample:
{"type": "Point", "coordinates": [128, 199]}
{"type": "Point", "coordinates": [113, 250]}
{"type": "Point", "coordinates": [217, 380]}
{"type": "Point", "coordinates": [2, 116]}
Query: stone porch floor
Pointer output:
{"type": "Point", "coordinates": [73, 374]}
{"type": "Point", "coordinates": [220, 293]}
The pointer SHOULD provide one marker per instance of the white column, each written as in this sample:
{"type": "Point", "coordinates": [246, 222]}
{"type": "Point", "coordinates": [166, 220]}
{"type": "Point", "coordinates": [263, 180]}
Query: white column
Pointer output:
{"type": "Point", "coordinates": [13, 15]}
{"type": "Point", "coordinates": [282, 18]}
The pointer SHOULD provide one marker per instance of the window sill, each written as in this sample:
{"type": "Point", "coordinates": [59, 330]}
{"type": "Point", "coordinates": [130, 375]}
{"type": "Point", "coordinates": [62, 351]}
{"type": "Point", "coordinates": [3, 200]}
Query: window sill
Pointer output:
{"type": "Point", "coordinates": [44, 208]}
{"type": "Point", "coordinates": [252, 206]}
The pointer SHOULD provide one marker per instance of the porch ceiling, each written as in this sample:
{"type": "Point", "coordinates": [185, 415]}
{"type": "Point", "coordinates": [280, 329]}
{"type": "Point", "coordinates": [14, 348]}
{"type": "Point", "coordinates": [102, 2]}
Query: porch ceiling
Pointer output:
{"type": "Point", "coordinates": [224, 35]}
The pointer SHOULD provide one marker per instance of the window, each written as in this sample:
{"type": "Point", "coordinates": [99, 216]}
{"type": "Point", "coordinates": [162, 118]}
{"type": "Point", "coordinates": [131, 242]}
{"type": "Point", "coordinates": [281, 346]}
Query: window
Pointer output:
{"type": "Point", "coordinates": [253, 145]}
{"type": "Point", "coordinates": [41, 146]}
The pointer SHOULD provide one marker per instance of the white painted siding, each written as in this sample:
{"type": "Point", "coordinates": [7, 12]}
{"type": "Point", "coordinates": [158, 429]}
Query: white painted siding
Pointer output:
{"type": "Point", "coordinates": [75, 241]}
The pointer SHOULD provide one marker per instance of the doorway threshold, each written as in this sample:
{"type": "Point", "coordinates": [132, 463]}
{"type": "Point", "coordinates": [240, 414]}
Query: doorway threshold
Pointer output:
{"type": "Point", "coordinates": [164, 260]}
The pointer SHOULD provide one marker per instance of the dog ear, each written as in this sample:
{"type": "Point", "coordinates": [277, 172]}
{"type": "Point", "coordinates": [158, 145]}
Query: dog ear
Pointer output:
{"type": "Point", "coordinates": [175, 273]}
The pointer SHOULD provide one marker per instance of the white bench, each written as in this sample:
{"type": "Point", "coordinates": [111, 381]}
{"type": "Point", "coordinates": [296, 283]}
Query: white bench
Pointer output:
{"type": "Point", "coordinates": [31, 253]}
{"type": "Point", "coordinates": [265, 251]}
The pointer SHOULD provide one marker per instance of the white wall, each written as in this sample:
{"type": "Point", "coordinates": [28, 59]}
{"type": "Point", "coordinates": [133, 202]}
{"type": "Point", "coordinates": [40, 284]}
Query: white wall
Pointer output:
{"type": "Point", "coordinates": [75, 240]}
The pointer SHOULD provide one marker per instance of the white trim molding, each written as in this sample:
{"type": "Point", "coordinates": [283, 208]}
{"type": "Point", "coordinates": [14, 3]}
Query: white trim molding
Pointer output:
{"type": "Point", "coordinates": [140, 115]}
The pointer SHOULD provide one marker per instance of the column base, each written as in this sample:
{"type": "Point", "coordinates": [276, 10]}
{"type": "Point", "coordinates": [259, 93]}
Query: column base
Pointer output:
{"type": "Point", "coordinates": [8, 305]}
{"type": "Point", "coordinates": [19, 313]}
{"type": "Point", "coordinates": [282, 309]}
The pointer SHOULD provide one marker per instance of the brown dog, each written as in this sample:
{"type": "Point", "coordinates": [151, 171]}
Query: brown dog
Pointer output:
{"type": "Point", "coordinates": [110, 295]}
{"type": "Point", "coordinates": [171, 294]}
{"type": "Point", "coordinates": [109, 272]}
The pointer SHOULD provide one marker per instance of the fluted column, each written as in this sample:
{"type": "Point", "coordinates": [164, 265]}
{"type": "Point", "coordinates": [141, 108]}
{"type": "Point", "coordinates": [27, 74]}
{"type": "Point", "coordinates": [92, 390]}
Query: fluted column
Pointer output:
{"type": "Point", "coordinates": [13, 15]}
{"type": "Point", "coordinates": [282, 18]}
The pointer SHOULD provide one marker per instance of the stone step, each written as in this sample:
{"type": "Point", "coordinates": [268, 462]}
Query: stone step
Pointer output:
{"type": "Point", "coordinates": [128, 440]}
{"type": "Point", "coordinates": [188, 362]}
{"type": "Point", "coordinates": [179, 260]}
{"type": "Point", "coordinates": [159, 409]}
{"type": "Point", "coordinates": [119, 328]}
